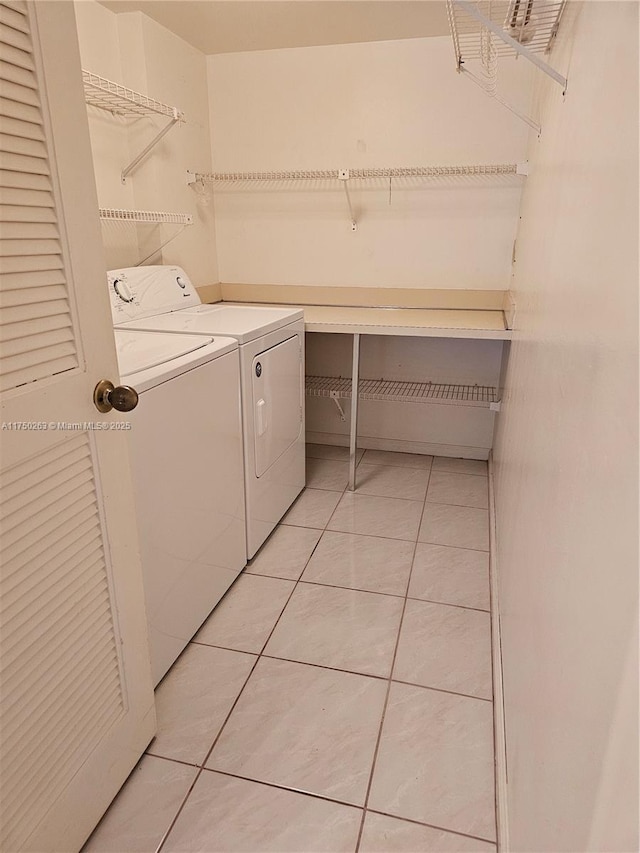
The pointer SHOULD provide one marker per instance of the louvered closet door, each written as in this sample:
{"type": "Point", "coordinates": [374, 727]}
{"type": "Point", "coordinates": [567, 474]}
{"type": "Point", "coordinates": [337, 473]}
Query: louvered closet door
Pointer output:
{"type": "Point", "coordinates": [76, 702]}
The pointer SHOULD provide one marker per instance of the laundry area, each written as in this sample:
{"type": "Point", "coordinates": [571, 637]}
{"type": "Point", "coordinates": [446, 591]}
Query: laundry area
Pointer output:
{"type": "Point", "coordinates": [319, 406]}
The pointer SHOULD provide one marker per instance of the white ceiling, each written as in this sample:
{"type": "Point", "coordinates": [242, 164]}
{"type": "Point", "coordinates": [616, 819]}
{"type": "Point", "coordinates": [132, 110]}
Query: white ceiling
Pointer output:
{"type": "Point", "coordinates": [227, 26]}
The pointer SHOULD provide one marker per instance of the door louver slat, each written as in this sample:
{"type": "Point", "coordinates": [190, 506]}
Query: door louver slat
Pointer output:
{"type": "Point", "coordinates": [14, 37]}
{"type": "Point", "coordinates": [24, 215]}
{"type": "Point", "coordinates": [32, 327]}
{"type": "Point", "coordinates": [11, 15]}
{"type": "Point", "coordinates": [24, 180]}
{"type": "Point", "coordinates": [36, 364]}
{"type": "Point", "coordinates": [32, 278]}
{"type": "Point", "coordinates": [28, 231]}
{"type": "Point", "coordinates": [32, 312]}
{"type": "Point", "coordinates": [24, 248]}
{"type": "Point", "coordinates": [12, 144]}
{"type": "Point", "coordinates": [17, 196]}
{"type": "Point", "coordinates": [24, 95]}
{"type": "Point", "coordinates": [23, 163]}
{"type": "Point", "coordinates": [27, 295]}
{"type": "Point", "coordinates": [44, 340]}
{"type": "Point", "coordinates": [18, 57]}
{"type": "Point", "coordinates": [16, 74]}
{"type": "Point", "coordinates": [24, 129]}
{"type": "Point", "coordinates": [33, 263]}
{"type": "Point", "coordinates": [23, 112]}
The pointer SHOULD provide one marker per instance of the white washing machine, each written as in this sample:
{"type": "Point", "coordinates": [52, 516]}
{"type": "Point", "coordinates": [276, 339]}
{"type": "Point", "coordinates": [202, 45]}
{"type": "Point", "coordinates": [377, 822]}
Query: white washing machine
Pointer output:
{"type": "Point", "coordinates": [271, 341]}
{"type": "Point", "coordinates": [187, 465]}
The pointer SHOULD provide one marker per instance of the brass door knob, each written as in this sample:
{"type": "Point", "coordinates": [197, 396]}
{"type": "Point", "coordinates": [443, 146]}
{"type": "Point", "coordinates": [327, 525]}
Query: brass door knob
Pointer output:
{"type": "Point", "coordinates": [107, 396]}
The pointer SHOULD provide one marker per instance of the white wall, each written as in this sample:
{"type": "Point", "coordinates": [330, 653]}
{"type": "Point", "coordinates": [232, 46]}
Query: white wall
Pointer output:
{"type": "Point", "coordinates": [395, 103]}
{"type": "Point", "coordinates": [135, 51]}
{"type": "Point", "coordinates": [567, 456]}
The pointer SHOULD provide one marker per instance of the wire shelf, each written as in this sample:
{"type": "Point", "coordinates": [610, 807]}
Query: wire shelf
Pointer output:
{"type": "Point", "coordinates": [153, 216]}
{"type": "Point", "coordinates": [107, 95]}
{"type": "Point", "coordinates": [402, 392]}
{"type": "Point", "coordinates": [358, 174]}
{"type": "Point", "coordinates": [484, 32]}
{"type": "Point", "coordinates": [531, 23]}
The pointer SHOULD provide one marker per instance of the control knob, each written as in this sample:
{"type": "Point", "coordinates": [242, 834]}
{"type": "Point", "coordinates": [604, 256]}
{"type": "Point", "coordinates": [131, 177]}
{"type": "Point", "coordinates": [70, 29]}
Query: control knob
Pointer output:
{"type": "Point", "coordinates": [123, 290]}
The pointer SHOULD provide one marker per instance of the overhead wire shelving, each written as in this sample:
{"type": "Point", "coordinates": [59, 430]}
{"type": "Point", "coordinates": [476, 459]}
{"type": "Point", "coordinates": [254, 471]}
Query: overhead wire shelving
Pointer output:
{"type": "Point", "coordinates": [122, 101]}
{"type": "Point", "coordinates": [485, 32]}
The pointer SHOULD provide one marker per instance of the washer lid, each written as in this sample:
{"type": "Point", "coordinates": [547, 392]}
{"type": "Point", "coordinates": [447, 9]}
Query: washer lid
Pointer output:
{"type": "Point", "coordinates": [243, 322]}
{"type": "Point", "coordinates": [142, 350]}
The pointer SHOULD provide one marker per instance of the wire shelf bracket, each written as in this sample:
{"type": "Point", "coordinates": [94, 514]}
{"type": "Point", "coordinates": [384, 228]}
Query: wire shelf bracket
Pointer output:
{"type": "Point", "coordinates": [119, 100]}
{"type": "Point", "coordinates": [484, 31]}
{"type": "Point", "coordinates": [343, 175]}
{"type": "Point", "coordinates": [336, 388]}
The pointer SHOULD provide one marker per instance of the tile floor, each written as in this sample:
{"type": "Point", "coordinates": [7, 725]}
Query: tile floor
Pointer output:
{"type": "Point", "coordinates": [339, 697]}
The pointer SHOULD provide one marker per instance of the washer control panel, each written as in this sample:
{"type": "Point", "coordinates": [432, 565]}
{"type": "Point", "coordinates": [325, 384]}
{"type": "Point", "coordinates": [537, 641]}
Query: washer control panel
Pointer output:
{"type": "Point", "coordinates": [139, 292]}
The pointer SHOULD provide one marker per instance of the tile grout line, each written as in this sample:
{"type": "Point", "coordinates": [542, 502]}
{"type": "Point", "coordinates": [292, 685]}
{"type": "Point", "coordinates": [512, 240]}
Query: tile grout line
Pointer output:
{"type": "Point", "coordinates": [390, 538]}
{"type": "Point", "coordinates": [344, 803]}
{"type": "Point", "coordinates": [499, 745]}
{"type": "Point", "coordinates": [330, 669]}
{"type": "Point", "coordinates": [201, 767]}
{"type": "Point", "coordinates": [410, 467]}
{"type": "Point", "coordinates": [432, 826]}
{"type": "Point", "coordinates": [361, 589]}
{"type": "Point", "coordinates": [390, 679]}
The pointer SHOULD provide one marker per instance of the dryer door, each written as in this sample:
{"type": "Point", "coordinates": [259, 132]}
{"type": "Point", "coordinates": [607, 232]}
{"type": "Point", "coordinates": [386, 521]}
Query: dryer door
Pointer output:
{"type": "Point", "coordinates": [276, 379]}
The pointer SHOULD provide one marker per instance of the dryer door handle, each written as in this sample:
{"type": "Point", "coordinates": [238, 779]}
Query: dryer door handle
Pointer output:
{"type": "Point", "coordinates": [261, 416]}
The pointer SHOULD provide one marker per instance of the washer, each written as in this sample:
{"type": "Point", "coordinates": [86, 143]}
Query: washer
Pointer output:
{"type": "Point", "coordinates": [271, 341]}
{"type": "Point", "coordinates": [187, 465]}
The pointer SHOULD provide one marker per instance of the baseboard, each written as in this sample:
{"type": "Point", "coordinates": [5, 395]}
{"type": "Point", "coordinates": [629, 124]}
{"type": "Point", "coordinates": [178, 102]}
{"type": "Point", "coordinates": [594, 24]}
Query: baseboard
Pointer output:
{"type": "Point", "coordinates": [499, 732]}
{"type": "Point", "coordinates": [400, 446]}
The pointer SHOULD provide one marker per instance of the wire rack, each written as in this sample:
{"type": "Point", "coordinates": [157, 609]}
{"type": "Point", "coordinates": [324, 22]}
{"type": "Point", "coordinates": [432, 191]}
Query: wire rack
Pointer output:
{"type": "Point", "coordinates": [154, 216]}
{"type": "Point", "coordinates": [358, 174]}
{"type": "Point", "coordinates": [107, 95]}
{"type": "Point", "coordinates": [484, 32]}
{"type": "Point", "coordinates": [532, 23]}
{"type": "Point", "coordinates": [403, 392]}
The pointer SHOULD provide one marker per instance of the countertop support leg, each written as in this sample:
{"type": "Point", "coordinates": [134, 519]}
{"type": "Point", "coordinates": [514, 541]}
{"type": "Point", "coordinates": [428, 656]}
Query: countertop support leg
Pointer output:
{"type": "Point", "coordinates": [353, 436]}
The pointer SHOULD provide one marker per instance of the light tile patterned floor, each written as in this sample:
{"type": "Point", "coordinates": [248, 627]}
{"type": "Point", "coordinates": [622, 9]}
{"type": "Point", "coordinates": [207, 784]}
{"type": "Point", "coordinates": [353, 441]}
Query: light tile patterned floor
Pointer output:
{"type": "Point", "coordinates": [339, 697]}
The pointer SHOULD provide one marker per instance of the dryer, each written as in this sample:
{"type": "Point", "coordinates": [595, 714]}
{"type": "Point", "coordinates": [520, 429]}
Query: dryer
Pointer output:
{"type": "Point", "coordinates": [187, 467]}
{"type": "Point", "coordinates": [271, 344]}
